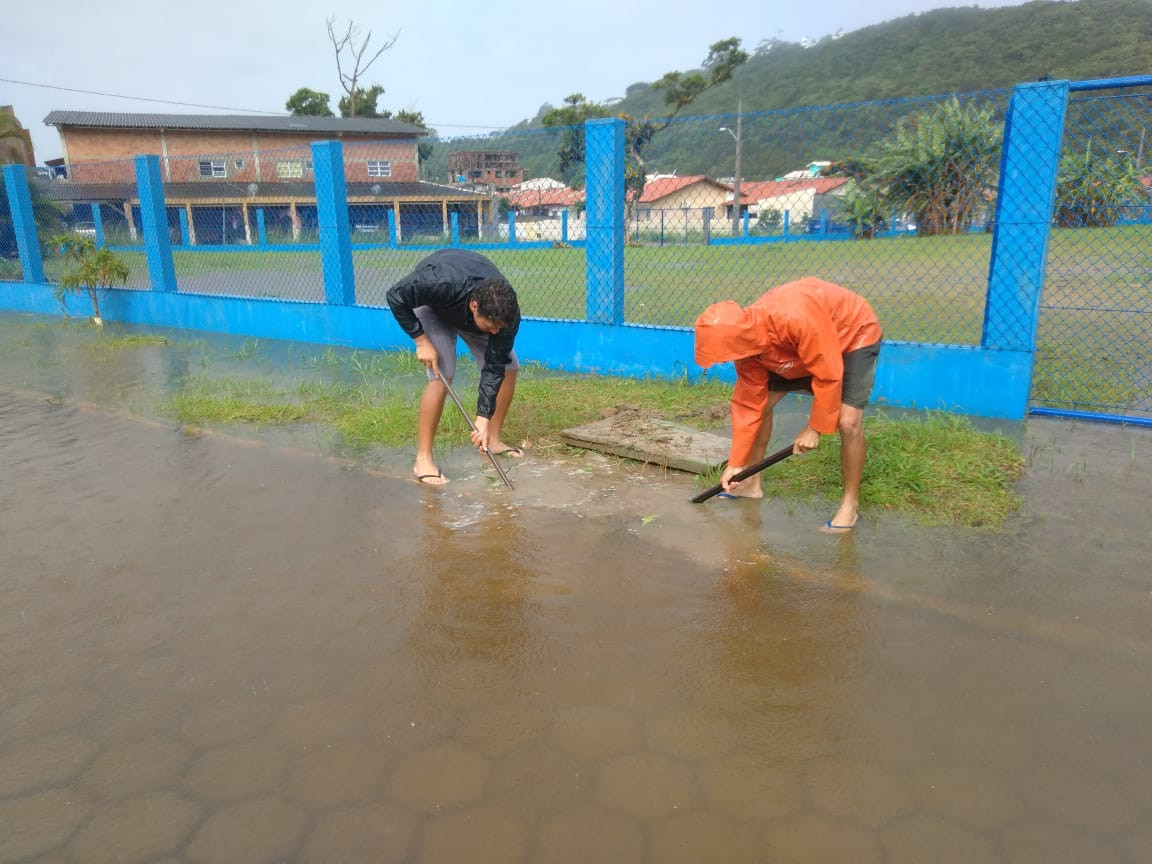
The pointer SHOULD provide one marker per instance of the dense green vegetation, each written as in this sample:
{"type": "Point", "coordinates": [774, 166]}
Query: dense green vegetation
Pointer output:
{"type": "Point", "coordinates": [955, 50]}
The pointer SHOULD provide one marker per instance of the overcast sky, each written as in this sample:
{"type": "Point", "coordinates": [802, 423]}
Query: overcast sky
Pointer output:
{"type": "Point", "coordinates": [470, 67]}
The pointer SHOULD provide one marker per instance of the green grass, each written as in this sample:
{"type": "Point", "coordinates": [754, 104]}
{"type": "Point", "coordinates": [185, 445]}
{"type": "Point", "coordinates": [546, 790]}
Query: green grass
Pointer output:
{"type": "Point", "coordinates": [206, 401]}
{"type": "Point", "coordinates": [129, 340]}
{"type": "Point", "coordinates": [924, 289]}
{"type": "Point", "coordinates": [937, 468]}
{"type": "Point", "coordinates": [244, 260]}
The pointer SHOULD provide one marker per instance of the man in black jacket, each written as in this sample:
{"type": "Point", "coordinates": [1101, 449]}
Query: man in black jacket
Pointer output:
{"type": "Point", "coordinates": [453, 293]}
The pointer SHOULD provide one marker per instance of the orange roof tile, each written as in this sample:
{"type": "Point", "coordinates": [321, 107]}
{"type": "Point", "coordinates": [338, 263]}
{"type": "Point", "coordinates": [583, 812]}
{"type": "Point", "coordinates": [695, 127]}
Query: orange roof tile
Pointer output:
{"type": "Point", "coordinates": [753, 191]}
{"type": "Point", "coordinates": [662, 187]}
{"type": "Point", "coordinates": [547, 197]}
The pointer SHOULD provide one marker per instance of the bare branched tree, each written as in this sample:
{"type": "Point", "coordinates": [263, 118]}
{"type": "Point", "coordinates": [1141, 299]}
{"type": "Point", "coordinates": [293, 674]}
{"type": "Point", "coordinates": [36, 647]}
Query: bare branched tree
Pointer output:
{"type": "Point", "coordinates": [349, 44]}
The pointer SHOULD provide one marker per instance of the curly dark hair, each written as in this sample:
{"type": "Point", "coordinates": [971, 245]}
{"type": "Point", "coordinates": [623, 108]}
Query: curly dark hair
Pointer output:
{"type": "Point", "coordinates": [496, 301]}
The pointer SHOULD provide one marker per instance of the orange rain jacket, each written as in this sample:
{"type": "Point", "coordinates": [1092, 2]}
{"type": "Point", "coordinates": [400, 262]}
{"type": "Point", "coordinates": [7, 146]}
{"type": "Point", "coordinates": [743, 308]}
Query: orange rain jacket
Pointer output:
{"type": "Point", "coordinates": [797, 329]}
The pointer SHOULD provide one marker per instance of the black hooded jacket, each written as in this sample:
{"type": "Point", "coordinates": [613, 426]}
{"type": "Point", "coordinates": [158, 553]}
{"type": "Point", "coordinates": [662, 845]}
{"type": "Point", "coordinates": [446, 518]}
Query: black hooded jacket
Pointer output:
{"type": "Point", "coordinates": [444, 281]}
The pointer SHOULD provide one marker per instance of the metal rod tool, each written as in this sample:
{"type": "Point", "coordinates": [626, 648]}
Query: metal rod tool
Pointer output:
{"type": "Point", "coordinates": [778, 456]}
{"type": "Point", "coordinates": [472, 426]}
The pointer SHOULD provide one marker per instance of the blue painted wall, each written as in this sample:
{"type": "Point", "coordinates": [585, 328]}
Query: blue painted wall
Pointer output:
{"type": "Point", "coordinates": [981, 382]}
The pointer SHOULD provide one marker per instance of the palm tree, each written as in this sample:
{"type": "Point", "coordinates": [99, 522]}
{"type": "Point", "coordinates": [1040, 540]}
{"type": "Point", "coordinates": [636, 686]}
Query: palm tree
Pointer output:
{"type": "Point", "coordinates": [89, 271]}
{"type": "Point", "coordinates": [16, 149]}
{"type": "Point", "coordinates": [939, 167]}
{"type": "Point", "coordinates": [15, 140]}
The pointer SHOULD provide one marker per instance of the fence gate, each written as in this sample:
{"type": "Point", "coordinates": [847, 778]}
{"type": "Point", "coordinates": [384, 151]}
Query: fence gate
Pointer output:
{"type": "Point", "coordinates": [1094, 339]}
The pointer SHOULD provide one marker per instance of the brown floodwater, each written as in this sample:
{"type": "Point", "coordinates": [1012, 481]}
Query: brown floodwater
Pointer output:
{"type": "Point", "coordinates": [248, 647]}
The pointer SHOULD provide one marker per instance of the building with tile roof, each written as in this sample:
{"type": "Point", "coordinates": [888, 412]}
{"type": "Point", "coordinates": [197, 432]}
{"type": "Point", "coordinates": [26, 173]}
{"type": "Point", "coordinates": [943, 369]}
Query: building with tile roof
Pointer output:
{"type": "Point", "coordinates": [219, 169]}
{"type": "Point", "coordinates": [689, 204]}
{"type": "Point", "coordinates": [801, 198]}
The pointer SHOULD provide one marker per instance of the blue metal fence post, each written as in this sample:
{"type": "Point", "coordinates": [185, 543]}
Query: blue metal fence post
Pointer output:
{"type": "Point", "coordinates": [746, 221]}
{"type": "Point", "coordinates": [454, 218]}
{"type": "Point", "coordinates": [98, 224]}
{"type": "Point", "coordinates": [1029, 159]}
{"type": "Point", "coordinates": [24, 222]}
{"type": "Point", "coordinates": [184, 228]}
{"type": "Point", "coordinates": [511, 226]}
{"type": "Point", "coordinates": [261, 227]}
{"type": "Point", "coordinates": [391, 227]}
{"type": "Point", "coordinates": [563, 226]}
{"type": "Point", "coordinates": [332, 220]}
{"type": "Point", "coordinates": [154, 220]}
{"type": "Point", "coordinates": [604, 173]}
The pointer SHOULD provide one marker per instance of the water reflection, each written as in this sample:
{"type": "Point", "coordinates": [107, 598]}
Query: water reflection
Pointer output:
{"type": "Point", "coordinates": [475, 621]}
{"type": "Point", "coordinates": [780, 646]}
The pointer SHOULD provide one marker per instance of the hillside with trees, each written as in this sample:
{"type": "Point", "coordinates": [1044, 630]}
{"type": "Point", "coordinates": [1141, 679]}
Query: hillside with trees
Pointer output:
{"type": "Point", "coordinates": [954, 50]}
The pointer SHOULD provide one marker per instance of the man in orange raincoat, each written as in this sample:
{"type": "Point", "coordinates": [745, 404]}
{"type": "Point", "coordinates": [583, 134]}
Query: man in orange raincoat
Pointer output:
{"type": "Point", "coordinates": [808, 336]}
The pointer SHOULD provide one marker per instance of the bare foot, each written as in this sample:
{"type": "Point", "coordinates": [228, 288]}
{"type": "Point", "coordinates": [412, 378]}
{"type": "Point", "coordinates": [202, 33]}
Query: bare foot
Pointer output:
{"type": "Point", "coordinates": [749, 488]}
{"type": "Point", "coordinates": [499, 448]}
{"type": "Point", "coordinates": [843, 522]}
{"type": "Point", "coordinates": [428, 474]}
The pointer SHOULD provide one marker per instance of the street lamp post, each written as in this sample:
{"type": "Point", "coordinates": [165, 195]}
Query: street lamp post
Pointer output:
{"type": "Point", "coordinates": [739, 136]}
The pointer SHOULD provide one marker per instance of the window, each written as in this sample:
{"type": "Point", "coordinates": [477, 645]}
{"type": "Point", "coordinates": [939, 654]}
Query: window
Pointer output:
{"type": "Point", "coordinates": [213, 168]}
{"type": "Point", "coordinates": [379, 168]}
{"type": "Point", "coordinates": [289, 170]}
{"type": "Point", "coordinates": [238, 164]}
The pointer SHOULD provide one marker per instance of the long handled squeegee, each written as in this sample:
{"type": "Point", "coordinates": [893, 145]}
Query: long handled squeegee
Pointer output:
{"type": "Point", "coordinates": [778, 456]}
{"type": "Point", "coordinates": [472, 426]}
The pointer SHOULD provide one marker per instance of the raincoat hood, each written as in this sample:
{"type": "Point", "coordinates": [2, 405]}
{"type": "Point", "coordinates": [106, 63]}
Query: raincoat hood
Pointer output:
{"type": "Point", "coordinates": [725, 332]}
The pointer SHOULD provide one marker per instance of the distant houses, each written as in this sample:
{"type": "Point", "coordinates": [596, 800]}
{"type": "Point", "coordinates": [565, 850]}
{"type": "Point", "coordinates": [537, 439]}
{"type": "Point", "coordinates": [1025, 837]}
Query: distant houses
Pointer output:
{"type": "Point", "coordinates": [243, 179]}
{"type": "Point", "coordinates": [670, 205]}
{"type": "Point", "coordinates": [693, 202]}
{"type": "Point", "coordinates": [673, 204]}
{"type": "Point", "coordinates": [546, 209]}
{"type": "Point", "coordinates": [801, 199]}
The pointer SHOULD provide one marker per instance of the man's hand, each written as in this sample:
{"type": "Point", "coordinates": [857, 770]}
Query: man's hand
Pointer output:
{"type": "Point", "coordinates": [807, 440]}
{"type": "Point", "coordinates": [426, 353]}
{"type": "Point", "coordinates": [727, 474]}
{"type": "Point", "coordinates": [480, 434]}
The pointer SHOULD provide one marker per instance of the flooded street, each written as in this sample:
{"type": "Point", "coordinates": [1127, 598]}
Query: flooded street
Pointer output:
{"type": "Point", "coordinates": [226, 649]}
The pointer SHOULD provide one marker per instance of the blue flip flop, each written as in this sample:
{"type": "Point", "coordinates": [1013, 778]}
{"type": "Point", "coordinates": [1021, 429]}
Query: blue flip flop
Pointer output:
{"type": "Point", "coordinates": [829, 528]}
{"type": "Point", "coordinates": [727, 495]}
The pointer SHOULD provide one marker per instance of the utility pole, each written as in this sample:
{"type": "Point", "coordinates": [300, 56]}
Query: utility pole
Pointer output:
{"type": "Point", "coordinates": [739, 136]}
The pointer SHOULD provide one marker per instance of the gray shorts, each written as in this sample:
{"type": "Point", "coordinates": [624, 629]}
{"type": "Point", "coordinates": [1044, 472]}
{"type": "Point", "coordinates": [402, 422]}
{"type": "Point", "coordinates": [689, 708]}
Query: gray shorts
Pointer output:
{"type": "Point", "coordinates": [859, 376]}
{"type": "Point", "coordinates": [443, 338]}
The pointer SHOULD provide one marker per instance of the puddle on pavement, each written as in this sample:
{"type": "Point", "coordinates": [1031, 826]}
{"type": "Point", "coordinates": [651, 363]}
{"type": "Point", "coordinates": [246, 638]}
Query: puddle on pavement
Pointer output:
{"type": "Point", "coordinates": [222, 649]}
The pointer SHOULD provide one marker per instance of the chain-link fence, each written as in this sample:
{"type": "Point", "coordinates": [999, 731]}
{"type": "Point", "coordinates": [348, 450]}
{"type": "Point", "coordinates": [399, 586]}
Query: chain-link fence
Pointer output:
{"type": "Point", "coordinates": [891, 199]}
{"type": "Point", "coordinates": [898, 200]}
{"type": "Point", "coordinates": [245, 224]}
{"type": "Point", "coordinates": [503, 200]}
{"type": "Point", "coordinates": [1094, 342]}
{"type": "Point", "coordinates": [840, 192]}
{"type": "Point", "coordinates": [11, 269]}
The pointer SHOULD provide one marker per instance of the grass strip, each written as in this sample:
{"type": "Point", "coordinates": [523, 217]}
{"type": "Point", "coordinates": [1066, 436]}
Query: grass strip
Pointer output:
{"type": "Point", "coordinates": [937, 468]}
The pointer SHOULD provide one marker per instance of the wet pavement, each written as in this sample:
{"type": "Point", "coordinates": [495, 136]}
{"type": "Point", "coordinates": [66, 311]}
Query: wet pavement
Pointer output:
{"type": "Point", "coordinates": [226, 648]}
